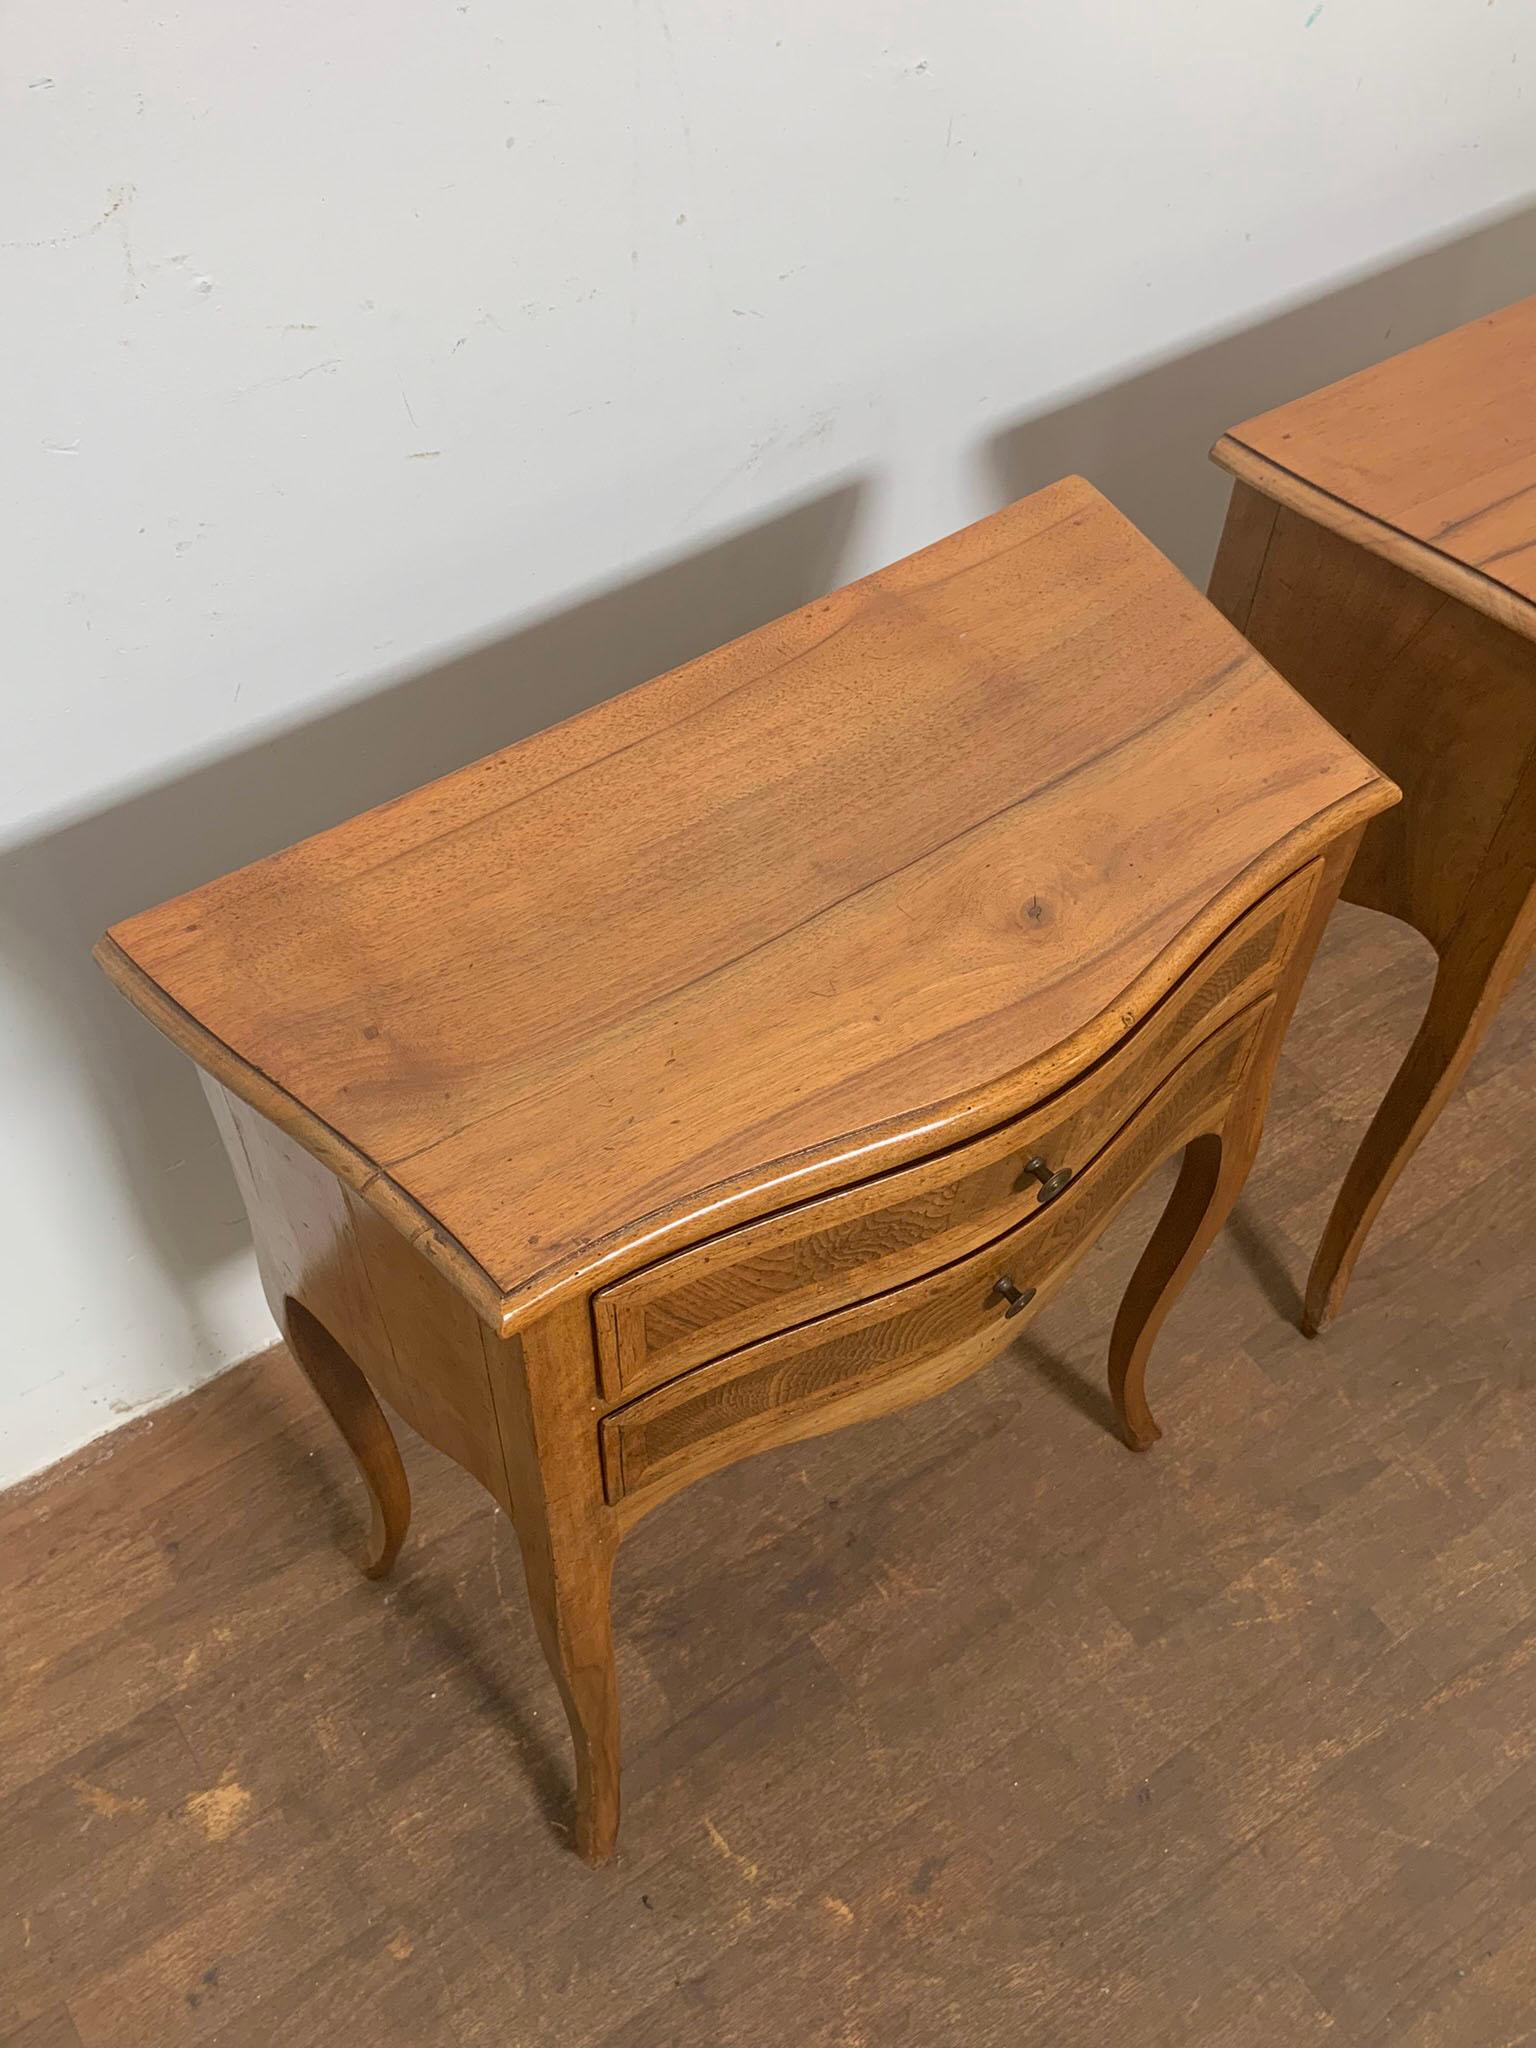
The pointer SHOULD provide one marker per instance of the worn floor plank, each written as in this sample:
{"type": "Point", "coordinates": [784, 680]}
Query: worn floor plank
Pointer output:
{"type": "Point", "coordinates": [965, 1725]}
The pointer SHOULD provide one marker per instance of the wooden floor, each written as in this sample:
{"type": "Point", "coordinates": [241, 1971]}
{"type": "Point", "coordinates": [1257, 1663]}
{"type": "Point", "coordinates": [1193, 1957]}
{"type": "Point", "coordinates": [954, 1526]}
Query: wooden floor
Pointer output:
{"type": "Point", "coordinates": [962, 1727]}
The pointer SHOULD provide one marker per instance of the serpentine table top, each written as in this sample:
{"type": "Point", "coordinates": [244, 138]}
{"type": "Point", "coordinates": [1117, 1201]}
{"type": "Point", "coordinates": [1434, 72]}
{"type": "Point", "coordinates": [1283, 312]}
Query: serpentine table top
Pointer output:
{"type": "Point", "coordinates": [834, 894]}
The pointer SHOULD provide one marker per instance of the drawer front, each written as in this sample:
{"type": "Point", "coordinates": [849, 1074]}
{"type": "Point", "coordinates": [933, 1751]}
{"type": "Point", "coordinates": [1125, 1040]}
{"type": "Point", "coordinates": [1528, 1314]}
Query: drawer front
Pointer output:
{"type": "Point", "coordinates": [909, 1343]}
{"type": "Point", "coordinates": [844, 1247]}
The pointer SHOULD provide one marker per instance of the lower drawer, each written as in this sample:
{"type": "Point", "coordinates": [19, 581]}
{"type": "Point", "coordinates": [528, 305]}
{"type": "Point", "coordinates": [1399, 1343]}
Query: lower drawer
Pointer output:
{"type": "Point", "coordinates": [913, 1340]}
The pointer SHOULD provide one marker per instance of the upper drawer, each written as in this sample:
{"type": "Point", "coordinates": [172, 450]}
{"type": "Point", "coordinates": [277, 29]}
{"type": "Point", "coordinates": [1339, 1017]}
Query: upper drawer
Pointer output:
{"type": "Point", "coordinates": [821, 1254]}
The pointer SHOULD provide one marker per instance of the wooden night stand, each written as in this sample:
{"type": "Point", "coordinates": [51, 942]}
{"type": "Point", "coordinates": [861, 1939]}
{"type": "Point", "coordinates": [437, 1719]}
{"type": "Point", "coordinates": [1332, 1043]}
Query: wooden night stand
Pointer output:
{"type": "Point", "coordinates": [1381, 551]}
{"type": "Point", "coordinates": [753, 1053]}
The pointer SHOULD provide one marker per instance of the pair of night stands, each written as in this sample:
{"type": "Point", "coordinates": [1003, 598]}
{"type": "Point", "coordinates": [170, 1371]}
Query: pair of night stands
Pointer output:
{"type": "Point", "coordinates": [759, 1050]}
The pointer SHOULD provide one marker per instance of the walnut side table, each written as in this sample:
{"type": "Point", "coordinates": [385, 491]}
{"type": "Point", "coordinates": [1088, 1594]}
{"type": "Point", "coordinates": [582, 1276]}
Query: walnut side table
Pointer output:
{"type": "Point", "coordinates": [1380, 550]}
{"type": "Point", "coordinates": [755, 1052]}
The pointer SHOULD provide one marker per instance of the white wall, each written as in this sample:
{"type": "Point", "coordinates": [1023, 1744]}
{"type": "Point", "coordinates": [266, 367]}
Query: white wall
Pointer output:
{"type": "Point", "coordinates": [383, 381]}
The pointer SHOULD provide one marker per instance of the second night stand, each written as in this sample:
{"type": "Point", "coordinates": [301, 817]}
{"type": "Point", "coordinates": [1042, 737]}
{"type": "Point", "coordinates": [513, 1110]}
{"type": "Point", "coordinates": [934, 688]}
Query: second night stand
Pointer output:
{"type": "Point", "coordinates": [1381, 552]}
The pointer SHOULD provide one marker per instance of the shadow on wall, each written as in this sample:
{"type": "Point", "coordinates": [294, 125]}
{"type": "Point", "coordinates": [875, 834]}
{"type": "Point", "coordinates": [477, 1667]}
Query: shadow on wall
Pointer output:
{"type": "Point", "coordinates": [60, 892]}
{"type": "Point", "coordinates": [1144, 442]}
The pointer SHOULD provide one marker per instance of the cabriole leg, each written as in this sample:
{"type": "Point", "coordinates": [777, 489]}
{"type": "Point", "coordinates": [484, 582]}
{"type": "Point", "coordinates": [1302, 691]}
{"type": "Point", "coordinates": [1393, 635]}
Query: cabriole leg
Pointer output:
{"type": "Point", "coordinates": [1469, 987]}
{"type": "Point", "coordinates": [1210, 1180]}
{"type": "Point", "coordinates": [545, 1389]}
{"type": "Point", "coordinates": [356, 1413]}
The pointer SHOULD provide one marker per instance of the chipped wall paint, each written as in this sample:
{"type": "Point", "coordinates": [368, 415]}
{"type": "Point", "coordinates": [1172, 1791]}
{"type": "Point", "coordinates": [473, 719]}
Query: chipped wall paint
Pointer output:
{"type": "Point", "coordinates": [341, 339]}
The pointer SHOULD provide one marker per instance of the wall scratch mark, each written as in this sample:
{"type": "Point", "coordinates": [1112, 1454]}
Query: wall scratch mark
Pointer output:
{"type": "Point", "coordinates": [118, 197]}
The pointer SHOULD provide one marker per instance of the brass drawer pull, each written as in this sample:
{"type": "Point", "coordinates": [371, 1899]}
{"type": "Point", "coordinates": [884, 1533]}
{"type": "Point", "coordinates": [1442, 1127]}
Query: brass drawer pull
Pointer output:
{"type": "Point", "coordinates": [1051, 1184]}
{"type": "Point", "coordinates": [1015, 1297]}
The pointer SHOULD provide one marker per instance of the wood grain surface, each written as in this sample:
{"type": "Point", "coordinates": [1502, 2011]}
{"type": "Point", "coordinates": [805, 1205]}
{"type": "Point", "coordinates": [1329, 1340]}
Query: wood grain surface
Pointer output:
{"type": "Point", "coordinates": [960, 1726]}
{"type": "Point", "coordinates": [656, 970]}
{"type": "Point", "coordinates": [1437, 445]}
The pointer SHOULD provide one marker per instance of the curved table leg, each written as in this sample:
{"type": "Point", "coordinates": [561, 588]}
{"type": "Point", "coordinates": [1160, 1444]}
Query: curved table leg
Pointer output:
{"type": "Point", "coordinates": [357, 1414]}
{"type": "Point", "coordinates": [1463, 1003]}
{"type": "Point", "coordinates": [546, 1399]}
{"type": "Point", "coordinates": [1211, 1178]}
{"type": "Point", "coordinates": [570, 1597]}
{"type": "Point", "coordinates": [1186, 1227]}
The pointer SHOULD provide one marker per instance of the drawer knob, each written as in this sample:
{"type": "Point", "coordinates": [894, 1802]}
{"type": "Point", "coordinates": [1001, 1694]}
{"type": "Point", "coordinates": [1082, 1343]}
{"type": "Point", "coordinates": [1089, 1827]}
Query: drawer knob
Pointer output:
{"type": "Point", "coordinates": [1016, 1297]}
{"type": "Point", "coordinates": [1051, 1184]}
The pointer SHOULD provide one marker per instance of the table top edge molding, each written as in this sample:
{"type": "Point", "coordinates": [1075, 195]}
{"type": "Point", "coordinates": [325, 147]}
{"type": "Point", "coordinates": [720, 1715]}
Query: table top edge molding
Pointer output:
{"type": "Point", "coordinates": [1455, 578]}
